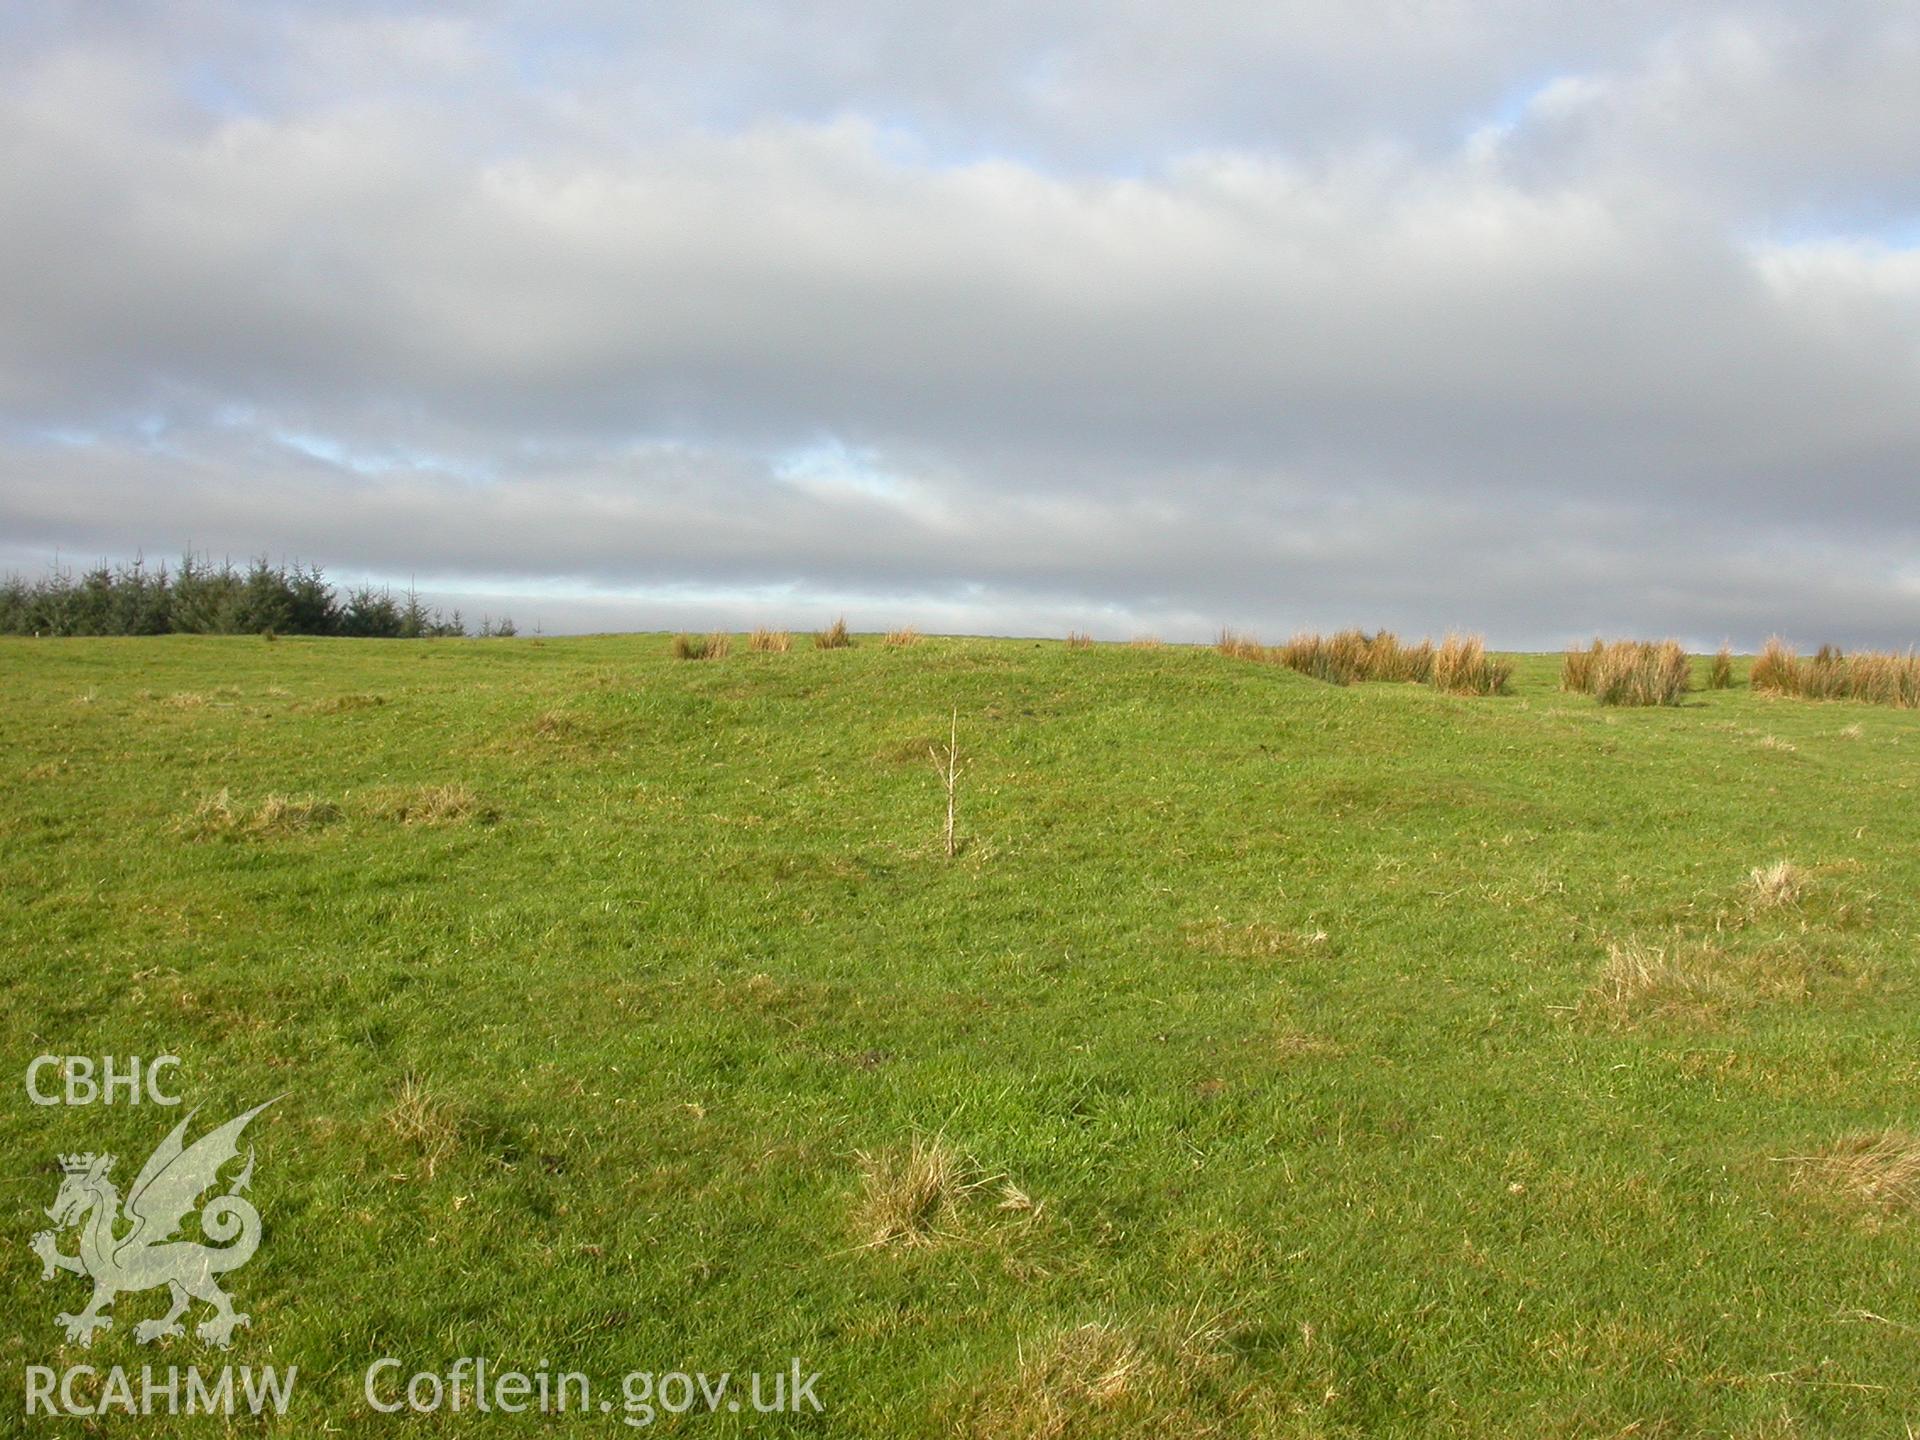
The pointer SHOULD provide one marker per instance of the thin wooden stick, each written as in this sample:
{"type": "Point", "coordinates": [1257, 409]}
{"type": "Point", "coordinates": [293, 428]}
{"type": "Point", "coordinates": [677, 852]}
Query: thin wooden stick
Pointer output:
{"type": "Point", "coordinates": [949, 772]}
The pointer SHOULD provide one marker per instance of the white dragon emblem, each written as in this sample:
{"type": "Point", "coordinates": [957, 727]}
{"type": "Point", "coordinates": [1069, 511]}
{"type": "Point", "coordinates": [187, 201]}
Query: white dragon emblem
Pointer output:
{"type": "Point", "coordinates": [165, 1191]}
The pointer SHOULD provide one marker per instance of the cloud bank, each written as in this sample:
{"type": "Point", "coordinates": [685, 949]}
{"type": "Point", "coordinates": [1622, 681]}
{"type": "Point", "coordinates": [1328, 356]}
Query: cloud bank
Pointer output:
{"type": "Point", "coordinates": [1107, 316]}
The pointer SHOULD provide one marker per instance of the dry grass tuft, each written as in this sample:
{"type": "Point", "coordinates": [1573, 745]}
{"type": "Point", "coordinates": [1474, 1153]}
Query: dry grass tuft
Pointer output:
{"type": "Point", "coordinates": [286, 814]}
{"type": "Point", "coordinates": [1694, 979]}
{"type": "Point", "coordinates": [902, 639]}
{"type": "Point", "coordinates": [560, 726]}
{"type": "Point", "coordinates": [1880, 1170]}
{"type": "Point", "coordinates": [1110, 1380]}
{"type": "Point", "coordinates": [423, 1124]}
{"type": "Point", "coordinates": [1093, 1365]}
{"type": "Point", "coordinates": [1252, 941]}
{"type": "Point", "coordinates": [214, 815]}
{"type": "Point", "coordinates": [769, 642]}
{"type": "Point", "coordinates": [1237, 646]}
{"type": "Point", "coordinates": [432, 805]}
{"type": "Point", "coordinates": [1641, 979]}
{"type": "Point", "coordinates": [1079, 640]}
{"type": "Point", "coordinates": [1641, 982]}
{"type": "Point", "coordinates": [1093, 1380]}
{"type": "Point", "coordinates": [276, 815]}
{"type": "Point", "coordinates": [185, 700]}
{"type": "Point", "coordinates": [1770, 887]}
{"type": "Point", "coordinates": [834, 637]}
{"type": "Point", "coordinates": [1145, 642]}
{"type": "Point", "coordinates": [907, 1197]}
{"type": "Point", "coordinates": [340, 704]}
{"type": "Point", "coordinates": [1461, 666]}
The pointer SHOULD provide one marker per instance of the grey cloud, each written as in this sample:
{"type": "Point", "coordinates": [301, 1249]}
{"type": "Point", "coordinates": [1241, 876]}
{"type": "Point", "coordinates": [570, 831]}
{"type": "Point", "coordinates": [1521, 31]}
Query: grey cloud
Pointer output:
{"type": "Point", "coordinates": [451, 297]}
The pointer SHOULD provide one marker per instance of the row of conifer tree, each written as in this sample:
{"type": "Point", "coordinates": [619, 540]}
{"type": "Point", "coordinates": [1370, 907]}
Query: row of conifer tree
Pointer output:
{"type": "Point", "coordinates": [200, 597]}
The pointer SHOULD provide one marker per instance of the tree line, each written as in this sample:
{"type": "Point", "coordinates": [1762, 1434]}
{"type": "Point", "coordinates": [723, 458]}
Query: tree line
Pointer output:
{"type": "Point", "coordinates": [202, 598]}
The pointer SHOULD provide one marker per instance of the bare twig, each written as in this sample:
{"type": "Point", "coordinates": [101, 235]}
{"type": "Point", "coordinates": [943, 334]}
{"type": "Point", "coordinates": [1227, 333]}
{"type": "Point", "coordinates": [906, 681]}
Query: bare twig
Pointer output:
{"type": "Point", "coordinates": [949, 772]}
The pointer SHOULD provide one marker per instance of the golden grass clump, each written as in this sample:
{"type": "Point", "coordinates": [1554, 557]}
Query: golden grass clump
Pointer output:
{"type": "Point", "coordinates": [1772, 887]}
{"type": "Point", "coordinates": [1880, 1169]}
{"type": "Point", "coordinates": [1697, 979]}
{"type": "Point", "coordinates": [432, 805]}
{"type": "Point", "coordinates": [834, 637]}
{"type": "Point", "coordinates": [1720, 677]}
{"type": "Point", "coordinates": [1578, 665]}
{"type": "Point", "coordinates": [701, 647]}
{"type": "Point", "coordinates": [1639, 979]}
{"type": "Point", "coordinates": [1079, 640]}
{"type": "Point", "coordinates": [1078, 1379]}
{"type": "Point", "coordinates": [341, 704]}
{"type": "Point", "coordinates": [1104, 1379]}
{"type": "Point", "coordinates": [1314, 655]}
{"type": "Point", "coordinates": [1146, 642]}
{"type": "Point", "coordinates": [284, 814]}
{"type": "Point", "coordinates": [1687, 980]}
{"type": "Point", "coordinates": [1874, 677]}
{"type": "Point", "coordinates": [769, 642]}
{"type": "Point", "coordinates": [216, 814]}
{"type": "Point", "coordinates": [903, 638]}
{"type": "Point", "coordinates": [1776, 670]}
{"type": "Point", "coordinates": [1885, 678]}
{"type": "Point", "coordinates": [423, 1124]}
{"type": "Point", "coordinates": [1641, 672]}
{"type": "Point", "coordinates": [1461, 666]}
{"type": "Point", "coordinates": [911, 1197]}
{"type": "Point", "coordinates": [1351, 655]}
{"type": "Point", "coordinates": [1238, 646]}
{"type": "Point", "coordinates": [1388, 658]}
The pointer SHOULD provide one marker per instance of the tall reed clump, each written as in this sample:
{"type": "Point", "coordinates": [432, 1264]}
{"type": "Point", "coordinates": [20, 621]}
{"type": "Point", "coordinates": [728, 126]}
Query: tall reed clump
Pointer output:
{"type": "Point", "coordinates": [1079, 640]}
{"type": "Point", "coordinates": [1885, 678]}
{"type": "Point", "coordinates": [1776, 671]}
{"type": "Point", "coordinates": [688, 647]}
{"type": "Point", "coordinates": [770, 642]}
{"type": "Point", "coordinates": [1720, 677]}
{"type": "Point", "coordinates": [1353, 655]}
{"type": "Point", "coordinates": [1576, 669]}
{"type": "Point", "coordinates": [834, 637]}
{"type": "Point", "coordinates": [1875, 677]}
{"type": "Point", "coordinates": [903, 638]}
{"type": "Point", "coordinates": [1461, 666]}
{"type": "Point", "coordinates": [1642, 672]}
{"type": "Point", "coordinates": [1238, 646]}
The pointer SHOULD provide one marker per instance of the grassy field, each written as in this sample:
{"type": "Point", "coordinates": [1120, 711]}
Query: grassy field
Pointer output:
{"type": "Point", "coordinates": [1273, 1059]}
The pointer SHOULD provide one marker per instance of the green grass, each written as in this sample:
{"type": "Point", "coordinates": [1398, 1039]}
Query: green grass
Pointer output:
{"type": "Point", "coordinates": [1260, 1037]}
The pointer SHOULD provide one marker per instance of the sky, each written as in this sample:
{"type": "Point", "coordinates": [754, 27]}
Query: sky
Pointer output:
{"type": "Point", "coordinates": [1540, 320]}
